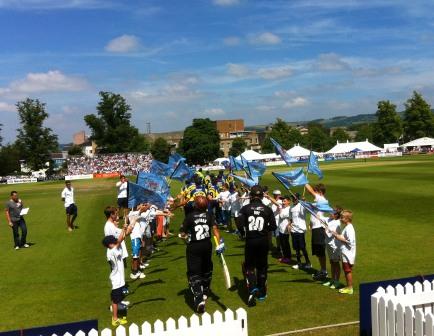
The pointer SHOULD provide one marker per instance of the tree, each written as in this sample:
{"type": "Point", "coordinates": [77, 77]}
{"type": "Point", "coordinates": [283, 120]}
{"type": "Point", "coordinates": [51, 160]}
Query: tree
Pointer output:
{"type": "Point", "coordinates": [160, 149]}
{"type": "Point", "coordinates": [318, 138]}
{"type": "Point", "coordinates": [10, 159]}
{"type": "Point", "coordinates": [364, 131]}
{"type": "Point", "coordinates": [279, 132]}
{"type": "Point", "coordinates": [111, 128]}
{"type": "Point", "coordinates": [239, 145]}
{"type": "Point", "coordinates": [201, 142]}
{"type": "Point", "coordinates": [34, 141]}
{"type": "Point", "coordinates": [418, 118]}
{"type": "Point", "coordinates": [1, 138]}
{"type": "Point", "coordinates": [388, 128]}
{"type": "Point", "coordinates": [340, 135]}
{"type": "Point", "coordinates": [75, 150]}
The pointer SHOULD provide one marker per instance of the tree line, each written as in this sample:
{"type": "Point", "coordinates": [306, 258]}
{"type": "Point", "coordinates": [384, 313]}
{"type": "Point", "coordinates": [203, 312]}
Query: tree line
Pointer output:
{"type": "Point", "coordinates": [112, 131]}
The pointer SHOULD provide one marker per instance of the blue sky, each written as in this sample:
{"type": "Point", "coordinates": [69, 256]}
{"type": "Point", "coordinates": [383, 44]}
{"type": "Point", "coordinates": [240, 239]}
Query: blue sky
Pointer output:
{"type": "Point", "coordinates": [180, 59]}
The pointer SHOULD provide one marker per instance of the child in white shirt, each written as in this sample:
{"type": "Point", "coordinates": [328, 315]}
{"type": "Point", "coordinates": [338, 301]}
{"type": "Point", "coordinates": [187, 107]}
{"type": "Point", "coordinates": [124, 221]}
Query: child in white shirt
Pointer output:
{"type": "Point", "coordinates": [284, 229]}
{"type": "Point", "coordinates": [333, 248]}
{"type": "Point", "coordinates": [298, 231]}
{"type": "Point", "coordinates": [347, 235]}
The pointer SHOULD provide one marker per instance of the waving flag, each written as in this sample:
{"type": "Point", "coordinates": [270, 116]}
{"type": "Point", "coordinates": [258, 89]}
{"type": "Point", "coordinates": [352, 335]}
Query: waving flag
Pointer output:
{"type": "Point", "coordinates": [182, 172]}
{"type": "Point", "coordinates": [174, 159]}
{"type": "Point", "coordinates": [292, 178]}
{"type": "Point", "coordinates": [259, 167]}
{"type": "Point", "coordinates": [153, 182]}
{"type": "Point", "coordinates": [138, 194]}
{"type": "Point", "coordinates": [313, 166]}
{"type": "Point", "coordinates": [159, 168]}
{"type": "Point", "coordinates": [279, 150]}
{"type": "Point", "coordinates": [235, 164]}
{"type": "Point", "coordinates": [245, 180]}
{"type": "Point", "coordinates": [251, 172]}
{"type": "Point", "coordinates": [313, 211]}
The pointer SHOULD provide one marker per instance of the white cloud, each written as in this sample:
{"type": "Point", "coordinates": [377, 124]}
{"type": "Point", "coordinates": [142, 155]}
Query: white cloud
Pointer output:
{"type": "Point", "coordinates": [266, 38]}
{"type": "Point", "coordinates": [232, 41]}
{"type": "Point", "coordinates": [212, 112]}
{"type": "Point", "coordinates": [331, 62]}
{"type": "Point", "coordinates": [51, 81]}
{"type": "Point", "coordinates": [123, 44]}
{"type": "Point", "coordinates": [296, 102]}
{"type": "Point", "coordinates": [226, 3]}
{"type": "Point", "coordinates": [237, 70]}
{"type": "Point", "coordinates": [275, 72]}
{"type": "Point", "coordinates": [5, 107]}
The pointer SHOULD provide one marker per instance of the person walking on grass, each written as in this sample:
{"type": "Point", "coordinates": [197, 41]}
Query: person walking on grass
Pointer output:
{"type": "Point", "coordinates": [347, 236]}
{"type": "Point", "coordinates": [16, 220]}
{"type": "Point", "coordinates": [117, 274]}
{"type": "Point", "coordinates": [70, 207]}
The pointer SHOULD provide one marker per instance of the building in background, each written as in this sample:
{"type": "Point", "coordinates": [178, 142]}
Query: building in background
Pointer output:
{"type": "Point", "coordinates": [173, 138]}
{"type": "Point", "coordinates": [79, 138]}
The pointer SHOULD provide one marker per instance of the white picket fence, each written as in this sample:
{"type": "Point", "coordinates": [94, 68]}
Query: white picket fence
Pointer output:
{"type": "Point", "coordinates": [227, 324]}
{"type": "Point", "coordinates": [403, 310]}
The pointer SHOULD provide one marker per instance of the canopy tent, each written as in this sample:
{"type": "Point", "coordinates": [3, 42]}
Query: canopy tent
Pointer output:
{"type": "Point", "coordinates": [220, 161]}
{"type": "Point", "coordinates": [298, 151]}
{"type": "Point", "coordinates": [270, 156]}
{"type": "Point", "coordinates": [250, 155]}
{"type": "Point", "coordinates": [350, 147]}
{"type": "Point", "coordinates": [421, 142]}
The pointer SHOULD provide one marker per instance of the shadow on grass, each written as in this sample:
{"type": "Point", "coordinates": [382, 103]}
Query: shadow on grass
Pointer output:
{"type": "Point", "coordinates": [189, 300]}
{"type": "Point", "coordinates": [234, 255]}
{"type": "Point", "coordinates": [240, 287]}
{"type": "Point", "coordinates": [309, 281]}
{"type": "Point", "coordinates": [157, 270]}
{"type": "Point", "coordinates": [146, 301]}
{"type": "Point", "coordinates": [147, 283]}
{"type": "Point", "coordinates": [177, 258]}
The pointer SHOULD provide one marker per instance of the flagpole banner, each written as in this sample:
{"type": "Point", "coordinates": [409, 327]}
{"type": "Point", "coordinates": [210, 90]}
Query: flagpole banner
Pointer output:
{"type": "Point", "coordinates": [313, 166]}
{"type": "Point", "coordinates": [284, 154]}
{"type": "Point", "coordinates": [139, 195]}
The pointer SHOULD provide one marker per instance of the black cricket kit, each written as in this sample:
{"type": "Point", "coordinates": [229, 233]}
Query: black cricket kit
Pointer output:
{"type": "Point", "coordinates": [258, 221]}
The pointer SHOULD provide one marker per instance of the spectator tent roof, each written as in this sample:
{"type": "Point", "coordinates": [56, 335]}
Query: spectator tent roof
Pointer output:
{"type": "Point", "coordinates": [298, 151]}
{"type": "Point", "coordinates": [250, 155]}
{"type": "Point", "coordinates": [425, 141]}
{"type": "Point", "coordinates": [348, 147]}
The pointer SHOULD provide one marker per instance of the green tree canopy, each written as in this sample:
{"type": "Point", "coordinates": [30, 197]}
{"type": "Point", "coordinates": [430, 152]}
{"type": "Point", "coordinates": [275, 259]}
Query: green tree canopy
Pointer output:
{"type": "Point", "coordinates": [318, 138]}
{"type": "Point", "coordinates": [160, 149]}
{"type": "Point", "coordinates": [418, 118]}
{"type": "Point", "coordinates": [279, 132]}
{"type": "Point", "coordinates": [75, 150]}
{"type": "Point", "coordinates": [111, 128]}
{"type": "Point", "coordinates": [340, 135]}
{"type": "Point", "coordinates": [239, 145]}
{"type": "Point", "coordinates": [388, 128]}
{"type": "Point", "coordinates": [10, 159]}
{"type": "Point", "coordinates": [34, 141]}
{"type": "Point", "coordinates": [364, 131]}
{"type": "Point", "coordinates": [201, 142]}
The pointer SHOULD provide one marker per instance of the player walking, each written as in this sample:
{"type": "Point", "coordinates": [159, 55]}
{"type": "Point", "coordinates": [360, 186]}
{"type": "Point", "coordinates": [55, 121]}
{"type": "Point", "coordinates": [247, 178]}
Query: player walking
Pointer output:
{"type": "Point", "coordinates": [258, 221]}
{"type": "Point", "coordinates": [196, 228]}
{"type": "Point", "coordinates": [70, 207]}
{"type": "Point", "coordinates": [13, 210]}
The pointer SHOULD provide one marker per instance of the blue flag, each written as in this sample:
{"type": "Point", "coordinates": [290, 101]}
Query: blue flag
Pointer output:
{"type": "Point", "coordinates": [258, 166]}
{"type": "Point", "coordinates": [245, 180]}
{"type": "Point", "coordinates": [313, 166]}
{"type": "Point", "coordinates": [138, 194]}
{"type": "Point", "coordinates": [235, 164]}
{"type": "Point", "coordinates": [182, 172]}
{"type": "Point", "coordinates": [311, 208]}
{"type": "Point", "coordinates": [159, 168]}
{"type": "Point", "coordinates": [154, 182]}
{"type": "Point", "coordinates": [251, 172]}
{"type": "Point", "coordinates": [283, 153]}
{"type": "Point", "coordinates": [292, 178]}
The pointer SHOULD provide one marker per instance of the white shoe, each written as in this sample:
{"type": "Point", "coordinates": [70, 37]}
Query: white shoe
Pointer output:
{"type": "Point", "coordinates": [141, 275]}
{"type": "Point", "coordinates": [134, 276]}
{"type": "Point", "coordinates": [295, 266]}
{"type": "Point", "coordinates": [17, 247]}
{"type": "Point", "coordinates": [26, 245]}
{"type": "Point", "coordinates": [126, 303]}
{"type": "Point", "coordinates": [143, 266]}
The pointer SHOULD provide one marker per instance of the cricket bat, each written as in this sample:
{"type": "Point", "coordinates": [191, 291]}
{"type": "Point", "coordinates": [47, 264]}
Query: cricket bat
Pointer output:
{"type": "Point", "coordinates": [226, 274]}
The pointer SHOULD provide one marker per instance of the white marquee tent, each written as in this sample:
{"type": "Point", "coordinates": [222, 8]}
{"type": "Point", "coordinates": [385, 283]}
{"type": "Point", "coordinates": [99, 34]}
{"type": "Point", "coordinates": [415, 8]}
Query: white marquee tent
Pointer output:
{"type": "Point", "coordinates": [250, 155]}
{"type": "Point", "coordinates": [298, 151]}
{"type": "Point", "coordinates": [421, 142]}
{"type": "Point", "coordinates": [349, 147]}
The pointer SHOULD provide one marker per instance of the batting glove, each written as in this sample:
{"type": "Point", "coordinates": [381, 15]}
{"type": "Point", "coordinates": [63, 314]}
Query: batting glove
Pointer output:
{"type": "Point", "coordinates": [221, 247]}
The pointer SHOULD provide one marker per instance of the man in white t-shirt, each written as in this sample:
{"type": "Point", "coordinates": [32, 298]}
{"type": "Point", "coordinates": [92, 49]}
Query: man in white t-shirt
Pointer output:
{"type": "Point", "coordinates": [225, 204]}
{"type": "Point", "coordinates": [70, 207]}
{"type": "Point", "coordinates": [111, 228]}
{"type": "Point", "coordinates": [117, 274]}
{"type": "Point", "coordinates": [122, 186]}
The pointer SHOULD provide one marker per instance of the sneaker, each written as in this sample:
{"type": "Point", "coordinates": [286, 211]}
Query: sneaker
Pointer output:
{"type": "Point", "coordinates": [118, 322]}
{"type": "Point", "coordinates": [262, 298]}
{"type": "Point", "coordinates": [201, 307]}
{"type": "Point", "coordinates": [346, 290]}
{"type": "Point", "coordinates": [26, 245]}
{"type": "Point", "coordinates": [252, 297]}
{"type": "Point", "coordinates": [125, 303]}
{"type": "Point", "coordinates": [204, 297]}
{"type": "Point", "coordinates": [296, 266]}
{"type": "Point", "coordinates": [17, 247]}
{"type": "Point", "coordinates": [141, 275]}
{"type": "Point", "coordinates": [333, 285]}
{"type": "Point", "coordinates": [327, 283]}
{"type": "Point", "coordinates": [70, 229]}
{"type": "Point", "coordinates": [134, 276]}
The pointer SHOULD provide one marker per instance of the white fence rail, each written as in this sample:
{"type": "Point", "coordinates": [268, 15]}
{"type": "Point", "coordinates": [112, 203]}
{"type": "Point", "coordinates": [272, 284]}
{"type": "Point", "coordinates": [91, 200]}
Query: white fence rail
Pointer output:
{"type": "Point", "coordinates": [403, 310]}
{"type": "Point", "coordinates": [227, 324]}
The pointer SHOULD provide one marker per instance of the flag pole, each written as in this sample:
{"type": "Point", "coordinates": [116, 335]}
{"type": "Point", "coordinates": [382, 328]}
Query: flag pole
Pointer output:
{"type": "Point", "coordinates": [307, 173]}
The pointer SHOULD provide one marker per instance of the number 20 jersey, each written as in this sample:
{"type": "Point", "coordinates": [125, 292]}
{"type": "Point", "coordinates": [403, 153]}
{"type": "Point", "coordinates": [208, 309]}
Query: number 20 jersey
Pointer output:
{"type": "Point", "coordinates": [257, 219]}
{"type": "Point", "coordinates": [197, 225]}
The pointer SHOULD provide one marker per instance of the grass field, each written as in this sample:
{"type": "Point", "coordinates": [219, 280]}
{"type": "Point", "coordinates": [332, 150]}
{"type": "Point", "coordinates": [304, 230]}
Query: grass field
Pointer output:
{"type": "Point", "coordinates": [63, 277]}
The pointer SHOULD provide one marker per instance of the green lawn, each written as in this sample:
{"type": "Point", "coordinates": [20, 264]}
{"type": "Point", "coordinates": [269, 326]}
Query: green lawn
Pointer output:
{"type": "Point", "coordinates": [64, 276]}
